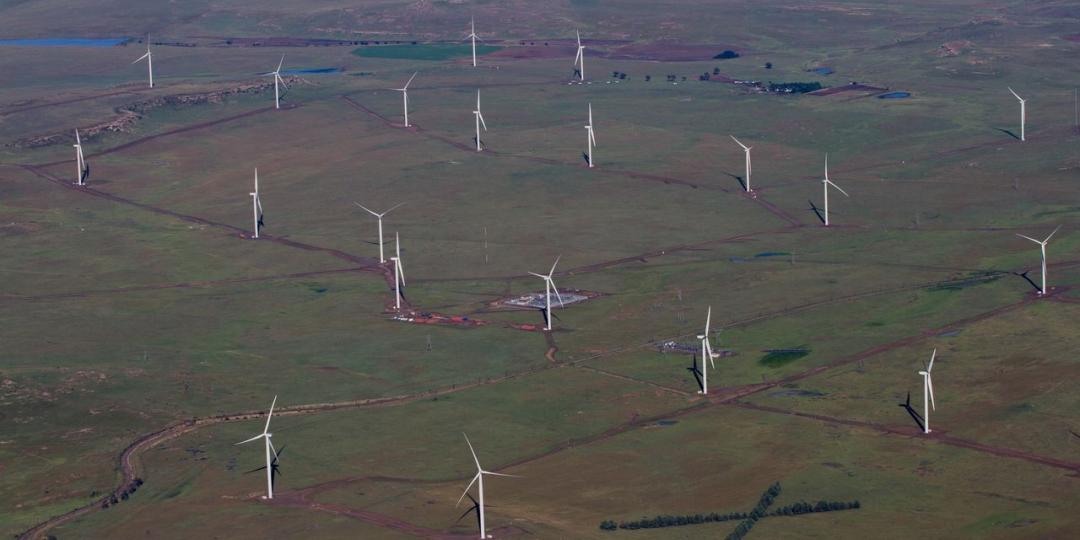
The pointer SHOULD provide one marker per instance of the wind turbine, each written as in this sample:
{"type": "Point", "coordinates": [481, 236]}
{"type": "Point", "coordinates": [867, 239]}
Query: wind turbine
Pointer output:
{"type": "Point", "coordinates": [399, 272]}
{"type": "Point", "coordinates": [379, 217]}
{"type": "Point", "coordinates": [472, 35]}
{"type": "Point", "coordinates": [579, 60]}
{"type": "Point", "coordinates": [479, 480]}
{"type": "Point", "coordinates": [549, 285]}
{"type": "Point", "coordinates": [928, 393]}
{"type": "Point", "coordinates": [405, 97]}
{"type": "Point", "coordinates": [149, 61]}
{"type": "Point", "coordinates": [1023, 112]}
{"type": "Point", "coordinates": [256, 205]}
{"type": "Point", "coordinates": [706, 352]}
{"type": "Point", "coordinates": [479, 120]}
{"type": "Point", "coordinates": [271, 455]}
{"type": "Point", "coordinates": [825, 183]}
{"type": "Point", "coordinates": [1042, 249]}
{"type": "Point", "coordinates": [590, 140]}
{"type": "Point", "coordinates": [83, 170]}
{"type": "Point", "coordinates": [278, 81]}
{"type": "Point", "coordinates": [746, 150]}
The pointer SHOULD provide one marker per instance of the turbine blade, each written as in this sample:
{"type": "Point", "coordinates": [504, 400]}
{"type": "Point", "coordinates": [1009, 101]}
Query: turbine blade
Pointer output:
{"type": "Point", "coordinates": [578, 32]}
{"type": "Point", "coordinates": [708, 318]}
{"type": "Point", "coordinates": [478, 467]}
{"type": "Point", "coordinates": [930, 366]}
{"type": "Point", "coordinates": [482, 122]}
{"type": "Point", "coordinates": [255, 438]}
{"type": "Point", "coordinates": [1052, 234]}
{"type": "Point", "coordinates": [500, 474]}
{"type": "Point", "coordinates": [1015, 94]}
{"type": "Point", "coordinates": [467, 488]}
{"type": "Point", "coordinates": [541, 276]}
{"type": "Point", "coordinates": [557, 295]}
{"type": "Point", "coordinates": [1029, 238]}
{"type": "Point", "coordinates": [392, 208]}
{"type": "Point", "coordinates": [840, 189]}
{"type": "Point", "coordinates": [271, 413]}
{"type": "Point", "coordinates": [370, 211]}
{"type": "Point", "coordinates": [409, 81]}
{"type": "Point", "coordinates": [744, 147]}
{"type": "Point", "coordinates": [930, 386]}
{"type": "Point", "coordinates": [552, 272]}
{"type": "Point", "coordinates": [142, 57]}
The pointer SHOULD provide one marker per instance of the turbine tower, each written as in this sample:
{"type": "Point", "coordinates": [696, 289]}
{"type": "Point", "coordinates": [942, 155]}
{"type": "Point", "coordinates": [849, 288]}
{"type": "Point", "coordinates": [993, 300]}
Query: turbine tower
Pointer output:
{"type": "Point", "coordinates": [479, 480]}
{"type": "Point", "coordinates": [271, 455]}
{"type": "Point", "coordinates": [256, 205]}
{"type": "Point", "coordinates": [399, 273]}
{"type": "Point", "coordinates": [706, 352]}
{"type": "Point", "coordinates": [479, 121]}
{"type": "Point", "coordinates": [549, 285]}
{"type": "Point", "coordinates": [928, 392]}
{"type": "Point", "coordinates": [278, 81]}
{"type": "Point", "coordinates": [746, 150]}
{"type": "Point", "coordinates": [149, 61]}
{"type": "Point", "coordinates": [1023, 113]}
{"type": "Point", "coordinates": [825, 184]}
{"type": "Point", "coordinates": [472, 35]}
{"type": "Point", "coordinates": [590, 141]}
{"type": "Point", "coordinates": [405, 97]}
{"type": "Point", "coordinates": [579, 60]}
{"type": "Point", "coordinates": [82, 169]}
{"type": "Point", "coordinates": [1042, 250]}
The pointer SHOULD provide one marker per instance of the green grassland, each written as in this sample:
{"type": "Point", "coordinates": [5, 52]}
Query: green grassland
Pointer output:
{"type": "Point", "coordinates": [118, 320]}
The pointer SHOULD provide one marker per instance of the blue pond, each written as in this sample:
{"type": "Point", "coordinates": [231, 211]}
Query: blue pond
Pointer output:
{"type": "Point", "coordinates": [773, 254]}
{"type": "Point", "coordinates": [823, 70]}
{"type": "Point", "coordinates": [312, 71]}
{"type": "Point", "coordinates": [63, 42]}
{"type": "Point", "coordinates": [895, 95]}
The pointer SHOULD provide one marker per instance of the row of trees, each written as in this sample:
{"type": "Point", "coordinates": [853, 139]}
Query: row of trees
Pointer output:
{"type": "Point", "coordinates": [128, 491]}
{"type": "Point", "coordinates": [749, 519]}
{"type": "Point", "coordinates": [794, 87]}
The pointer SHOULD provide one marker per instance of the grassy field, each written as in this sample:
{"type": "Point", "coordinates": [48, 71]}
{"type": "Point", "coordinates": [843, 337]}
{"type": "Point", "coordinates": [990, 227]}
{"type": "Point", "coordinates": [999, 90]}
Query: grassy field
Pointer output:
{"type": "Point", "coordinates": [142, 302]}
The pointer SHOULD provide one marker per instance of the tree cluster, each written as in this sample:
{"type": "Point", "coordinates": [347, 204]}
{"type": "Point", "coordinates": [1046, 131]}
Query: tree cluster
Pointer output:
{"type": "Point", "coordinates": [794, 87]}
{"type": "Point", "coordinates": [659, 522]}
{"type": "Point", "coordinates": [757, 513]}
{"type": "Point", "coordinates": [726, 55]}
{"type": "Point", "coordinates": [126, 492]}
{"type": "Point", "coordinates": [618, 75]}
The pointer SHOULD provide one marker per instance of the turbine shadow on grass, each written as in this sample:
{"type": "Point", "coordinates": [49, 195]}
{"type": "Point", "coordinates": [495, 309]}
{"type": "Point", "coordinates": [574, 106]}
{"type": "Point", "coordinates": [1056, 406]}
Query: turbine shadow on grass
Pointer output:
{"type": "Point", "coordinates": [1009, 133]}
{"type": "Point", "coordinates": [697, 373]}
{"type": "Point", "coordinates": [914, 414]}
{"type": "Point", "coordinates": [739, 179]}
{"type": "Point", "coordinates": [1026, 278]}
{"type": "Point", "coordinates": [816, 211]}
{"type": "Point", "coordinates": [585, 156]}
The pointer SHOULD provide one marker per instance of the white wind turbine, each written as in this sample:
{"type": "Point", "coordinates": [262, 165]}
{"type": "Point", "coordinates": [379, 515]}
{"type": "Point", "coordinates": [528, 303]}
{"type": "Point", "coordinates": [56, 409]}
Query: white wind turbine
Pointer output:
{"type": "Point", "coordinates": [256, 205]}
{"type": "Point", "coordinates": [706, 352]}
{"type": "Point", "coordinates": [825, 183]}
{"type": "Point", "coordinates": [579, 59]}
{"type": "Point", "coordinates": [590, 140]}
{"type": "Point", "coordinates": [746, 150]}
{"type": "Point", "coordinates": [928, 392]}
{"type": "Point", "coordinates": [399, 272]}
{"type": "Point", "coordinates": [472, 35]}
{"type": "Point", "coordinates": [549, 285]}
{"type": "Point", "coordinates": [80, 162]}
{"type": "Point", "coordinates": [405, 97]}
{"type": "Point", "coordinates": [149, 61]}
{"type": "Point", "coordinates": [1023, 112]}
{"type": "Point", "coordinates": [479, 480]}
{"type": "Point", "coordinates": [270, 452]}
{"type": "Point", "coordinates": [479, 120]}
{"type": "Point", "coordinates": [278, 81]}
{"type": "Point", "coordinates": [1042, 249]}
{"type": "Point", "coordinates": [379, 217]}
